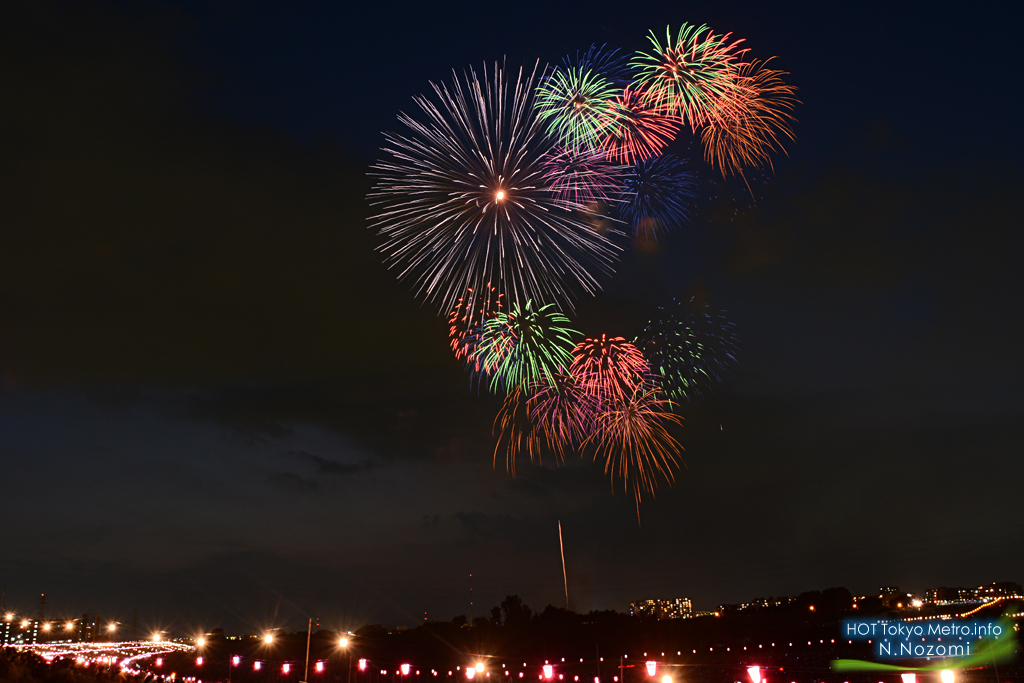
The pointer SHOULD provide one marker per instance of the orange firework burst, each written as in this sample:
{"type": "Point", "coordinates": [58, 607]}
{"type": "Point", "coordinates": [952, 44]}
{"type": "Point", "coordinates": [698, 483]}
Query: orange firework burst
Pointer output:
{"type": "Point", "coordinates": [637, 129]}
{"type": "Point", "coordinates": [759, 119]}
{"type": "Point", "coordinates": [518, 433]}
{"type": "Point", "coordinates": [609, 368]}
{"type": "Point", "coordinates": [631, 438]}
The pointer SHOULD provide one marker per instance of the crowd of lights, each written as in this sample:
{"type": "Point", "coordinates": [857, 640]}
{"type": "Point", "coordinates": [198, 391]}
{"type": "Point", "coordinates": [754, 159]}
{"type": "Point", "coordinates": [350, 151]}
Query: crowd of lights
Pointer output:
{"type": "Point", "coordinates": [127, 655]}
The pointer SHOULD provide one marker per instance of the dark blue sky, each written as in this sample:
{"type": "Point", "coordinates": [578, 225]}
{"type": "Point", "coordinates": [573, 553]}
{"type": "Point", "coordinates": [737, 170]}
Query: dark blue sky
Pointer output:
{"type": "Point", "coordinates": [218, 407]}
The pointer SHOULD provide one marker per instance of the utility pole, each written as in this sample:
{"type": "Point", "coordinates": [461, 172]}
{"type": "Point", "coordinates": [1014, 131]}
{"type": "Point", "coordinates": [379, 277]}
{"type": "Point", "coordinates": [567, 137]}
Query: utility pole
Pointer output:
{"type": "Point", "coordinates": [309, 636]}
{"type": "Point", "coordinates": [135, 623]}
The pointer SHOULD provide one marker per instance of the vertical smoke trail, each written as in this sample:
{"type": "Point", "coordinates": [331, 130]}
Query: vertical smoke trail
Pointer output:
{"type": "Point", "coordinates": [565, 577]}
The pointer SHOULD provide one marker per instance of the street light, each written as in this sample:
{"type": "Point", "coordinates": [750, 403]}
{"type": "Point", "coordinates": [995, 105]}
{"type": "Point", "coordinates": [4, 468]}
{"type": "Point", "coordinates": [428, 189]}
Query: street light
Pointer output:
{"type": "Point", "coordinates": [68, 626]}
{"type": "Point", "coordinates": [666, 679]}
{"type": "Point", "coordinates": [268, 639]}
{"type": "Point", "coordinates": [200, 641]}
{"type": "Point", "coordinates": [343, 642]}
{"type": "Point", "coordinates": [111, 627]}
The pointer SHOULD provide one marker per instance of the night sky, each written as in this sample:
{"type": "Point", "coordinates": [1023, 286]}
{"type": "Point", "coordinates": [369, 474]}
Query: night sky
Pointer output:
{"type": "Point", "coordinates": [219, 407]}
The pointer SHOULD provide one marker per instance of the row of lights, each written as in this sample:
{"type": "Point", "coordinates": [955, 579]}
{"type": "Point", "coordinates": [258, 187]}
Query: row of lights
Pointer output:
{"type": "Point", "coordinates": [68, 626]}
{"type": "Point", "coordinates": [140, 651]}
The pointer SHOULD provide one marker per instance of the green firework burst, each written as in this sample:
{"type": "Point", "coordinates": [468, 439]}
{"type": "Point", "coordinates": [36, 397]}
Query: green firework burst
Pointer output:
{"type": "Point", "coordinates": [526, 345]}
{"type": "Point", "coordinates": [575, 104]}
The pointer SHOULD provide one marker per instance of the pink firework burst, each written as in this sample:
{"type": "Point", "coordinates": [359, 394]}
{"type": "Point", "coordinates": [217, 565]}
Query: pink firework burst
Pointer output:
{"type": "Point", "coordinates": [582, 177]}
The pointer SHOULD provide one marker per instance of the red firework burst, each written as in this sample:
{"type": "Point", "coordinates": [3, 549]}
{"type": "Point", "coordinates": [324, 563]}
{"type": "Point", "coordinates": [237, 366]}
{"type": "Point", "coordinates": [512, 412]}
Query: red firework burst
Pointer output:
{"type": "Point", "coordinates": [638, 128]}
{"type": "Point", "coordinates": [609, 368]}
{"type": "Point", "coordinates": [466, 325]}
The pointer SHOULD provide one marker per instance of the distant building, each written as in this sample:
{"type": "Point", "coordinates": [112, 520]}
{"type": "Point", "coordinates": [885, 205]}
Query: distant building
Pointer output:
{"type": "Point", "coordinates": [677, 608]}
{"type": "Point", "coordinates": [759, 603]}
{"type": "Point", "coordinates": [16, 631]}
{"type": "Point", "coordinates": [1001, 589]}
{"type": "Point", "coordinates": [947, 596]}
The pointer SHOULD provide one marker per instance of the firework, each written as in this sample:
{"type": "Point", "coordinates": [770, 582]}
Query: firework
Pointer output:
{"type": "Point", "coordinates": [637, 128]}
{"type": "Point", "coordinates": [563, 411]}
{"type": "Point", "coordinates": [463, 201]}
{"type": "Point", "coordinates": [609, 368]}
{"type": "Point", "coordinates": [525, 345]}
{"type": "Point", "coordinates": [610, 64]}
{"type": "Point", "coordinates": [582, 176]}
{"type": "Point", "coordinates": [575, 103]}
{"type": "Point", "coordinates": [655, 194]}
{"type": "Point", "coordinates": [760, 118]}
{"type": "Point", "coordinates": [466, 325]}
{"type": "Point", "coordinates": [549, 416]}
{"type": "Point", "coordinates": [632, 440]}
{"type": "Point", "coordinates": [515, 431]}
{"type": "Point", "coordinates": [689, 347]}
{"type": "Point", "coordinates": [694, 76]}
